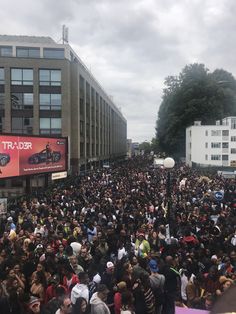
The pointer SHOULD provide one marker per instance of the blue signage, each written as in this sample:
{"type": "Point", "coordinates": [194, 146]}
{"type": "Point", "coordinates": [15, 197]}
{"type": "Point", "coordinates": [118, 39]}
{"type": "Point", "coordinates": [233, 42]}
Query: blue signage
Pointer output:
{"type": "Point", "coordinates": [219, 196]}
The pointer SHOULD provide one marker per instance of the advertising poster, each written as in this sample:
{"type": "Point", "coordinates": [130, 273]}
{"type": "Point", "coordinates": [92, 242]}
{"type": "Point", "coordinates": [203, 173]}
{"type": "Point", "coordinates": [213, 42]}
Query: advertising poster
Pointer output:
{"type": "Point", "coordinates": [3, 206]}
{"type": "Point", "coordinates": [24, 155]}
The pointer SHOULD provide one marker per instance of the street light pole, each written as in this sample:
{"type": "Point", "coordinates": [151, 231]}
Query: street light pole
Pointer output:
{"type": "Point", "coordinates": [168, 163]}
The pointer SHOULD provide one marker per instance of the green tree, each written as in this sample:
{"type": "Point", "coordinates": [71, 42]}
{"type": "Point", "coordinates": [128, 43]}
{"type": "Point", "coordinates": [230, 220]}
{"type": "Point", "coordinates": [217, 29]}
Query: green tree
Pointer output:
{"type": "Point", "coordinates": [196, 94]}
{"type": "Point", "coordinates": [146, 146]}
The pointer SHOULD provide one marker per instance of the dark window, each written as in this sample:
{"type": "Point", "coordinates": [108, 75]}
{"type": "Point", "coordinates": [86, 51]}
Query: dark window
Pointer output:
{"type": "Point", "coordinates": [81, 106]}
{"type": "Point", "coordinates": [1, 124]}
{"type": "Point", "coordinates": [22, 101]}
{"type": "Point", "coordinates": [233, 123]}
{"type": "Point", "coordinates": [2, 77]}
{"type": "Point", "coordinates": [26, 52]}
{"type": "Point", "coordinates": [21, 76]}
{"type": "Point", "coordinates": [225, 145]}
{"type": "Point", "coordinates": [81, 128]}
{"type": "Point", "coordinates": [50, 77]}
{"type": "Point", "coordinates": [22, 125]}
{"type": "Point", "coordinates": [233, 150]}
{"type": "Point", "coordinates": [5, 51]}
{"type": "Point", "coordinates": [2, 100]}
{"type": "Point", "coordinates": [50, 101]}
{"type": "Point", "coordinates": [225, 133]}
{"type": "Point", "coordinates": [52, 53]}
{"type": "Point", "coordinates": [225, 157]}
{"type": "Point", "coordinates": [81, 149]}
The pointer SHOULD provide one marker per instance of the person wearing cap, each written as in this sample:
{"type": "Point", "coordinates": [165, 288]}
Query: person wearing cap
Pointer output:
{"type": "Point", "coordinates": [108, 278]}
{"type": "Point", "coordinates": [142, 246]}
{"type": "Point", "coordinates": [157, 282]}
{"type": "Point", "coordinates": [98, 305]}
{"type": "Point", "coordinates": [34, 305]}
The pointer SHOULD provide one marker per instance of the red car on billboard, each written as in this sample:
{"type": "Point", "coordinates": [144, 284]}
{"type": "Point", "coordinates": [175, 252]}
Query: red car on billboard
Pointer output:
{"type": "Point", "coordinates": [24, 155]}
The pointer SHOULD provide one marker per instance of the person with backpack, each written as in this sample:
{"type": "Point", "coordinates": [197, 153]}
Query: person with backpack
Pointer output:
{"type": "Point", "coordinates": [157, 282]}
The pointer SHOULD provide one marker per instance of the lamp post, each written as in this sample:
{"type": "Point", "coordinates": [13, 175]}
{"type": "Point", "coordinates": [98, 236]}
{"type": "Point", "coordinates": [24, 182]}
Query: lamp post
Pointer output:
{"type": "Point", "coordinates": [168, 163]}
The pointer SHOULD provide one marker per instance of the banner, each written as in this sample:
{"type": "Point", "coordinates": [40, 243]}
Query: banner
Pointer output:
{"type": "Point", "coordinates": [24, 155]}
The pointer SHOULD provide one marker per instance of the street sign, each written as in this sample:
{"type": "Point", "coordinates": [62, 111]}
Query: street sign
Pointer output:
{"type": "Point", "coordinates": [59, 175]}
{"type": "Point", "coordinates": [219, 195]}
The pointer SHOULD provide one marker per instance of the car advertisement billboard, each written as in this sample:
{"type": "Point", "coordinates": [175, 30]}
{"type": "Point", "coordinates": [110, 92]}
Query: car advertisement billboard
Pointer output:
{"type": "Point", "coordinates": [25, 155]}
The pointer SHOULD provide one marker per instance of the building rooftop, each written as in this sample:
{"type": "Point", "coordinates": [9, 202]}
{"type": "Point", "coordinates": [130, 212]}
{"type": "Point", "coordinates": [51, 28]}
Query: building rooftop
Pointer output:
{"type": "Point", "coordinates": [27, 39]}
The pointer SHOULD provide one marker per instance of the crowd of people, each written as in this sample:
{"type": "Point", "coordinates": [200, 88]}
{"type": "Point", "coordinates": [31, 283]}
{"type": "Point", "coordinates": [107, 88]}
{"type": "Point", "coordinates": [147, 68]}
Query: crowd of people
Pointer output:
{"type": "Point", "coordinates": [117, 241]}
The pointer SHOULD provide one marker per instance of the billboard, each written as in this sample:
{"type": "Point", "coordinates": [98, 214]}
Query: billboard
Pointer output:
{"type": "Point", "coordinates": [3, 206]}
{"type": "Point", "coordinates": [25, 155]}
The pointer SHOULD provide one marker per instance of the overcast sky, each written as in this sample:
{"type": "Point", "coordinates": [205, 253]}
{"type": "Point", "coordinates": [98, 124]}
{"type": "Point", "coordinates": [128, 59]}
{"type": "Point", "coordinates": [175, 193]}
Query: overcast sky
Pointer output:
{"type": "Point", "coordinates": [132, 45]}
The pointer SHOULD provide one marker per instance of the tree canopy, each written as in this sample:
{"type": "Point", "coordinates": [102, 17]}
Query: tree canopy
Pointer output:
{"type": "Point", "coordinates": [196, 94]}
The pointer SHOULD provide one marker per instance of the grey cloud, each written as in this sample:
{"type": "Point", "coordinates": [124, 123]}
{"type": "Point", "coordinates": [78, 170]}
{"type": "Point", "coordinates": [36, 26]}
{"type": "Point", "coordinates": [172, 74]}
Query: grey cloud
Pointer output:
{"type": "Point", "coordinates": [132, 45]}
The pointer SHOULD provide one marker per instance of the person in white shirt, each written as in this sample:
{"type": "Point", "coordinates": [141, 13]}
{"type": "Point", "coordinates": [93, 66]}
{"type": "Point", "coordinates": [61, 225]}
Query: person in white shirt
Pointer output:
{"type": "Point", "coordinates": [81, 289]}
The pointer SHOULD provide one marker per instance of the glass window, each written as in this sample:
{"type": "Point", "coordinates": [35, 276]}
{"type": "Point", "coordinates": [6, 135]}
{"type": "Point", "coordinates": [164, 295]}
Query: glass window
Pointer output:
{"type": "Point", "coordinates": [233, 123]}
{"type": "Point", "coordinates": [44, 76]}
{"type": "Point", "coordinates": [216, 145]}
{"type": "Point", "coordinates": [27, 76]}
{"type": "Point", "coordinates": [206, 157]}
{"type": "Point", "coordinates": [225, 157]}
{"type": "Point", "coordinates": [28, 99]}
{"type": "Point", "coordinates": [233, 138]}
{"type": "Point", "coordinates": [2, 78]}
{"type": "Point", "coordinates": [21, 52]}
{"type": "Point", "coordinates": [233, 150]}
{"type": "Point", "coordinates": [225, 145]}
{"type": "Point", "coordinates": [22, 125]}
{"type": "Point", "coordinates": [2, 100]}
{"type": "Point", "coordinates": [215, 157]}
{"type": "Point", "coordinates": [55, 123]}
{"type": "Point", "coordinates": [56, 75]}
{"type": "Point", "coordinates": [22, 101]}
{"type": "Point", "coordinates": [206, 133]}
{"type": "Point", "coordinates": [215, 132]}
{"type": "Point", "coordinates": [50, 125]}
{"type": "Point", "coordinates": [225, 133]}
{"type": "Point", "coordinates": [50, 77]}
{"type": "Point", "coordinates": [26, 52]}
{"type": "Point", "coordinates": [5, 51]}
{"type": "Point", "coordinates": [50, 101]}
{"type": "Point", "coordinates": [53, 53]}
{"type": "Point", "coordinates": [206, 145]}
{"type": "Point", "coordinates": [21, 76]}
{"type": "Point", "coordinates": [44, 123]}
{"type": "Point", "coordinates": [1, 124]}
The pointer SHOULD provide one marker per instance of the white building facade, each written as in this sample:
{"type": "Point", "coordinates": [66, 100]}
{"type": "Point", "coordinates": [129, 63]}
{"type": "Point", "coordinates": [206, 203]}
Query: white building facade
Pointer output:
{"type": "Point", "coordinates": [212, 145]}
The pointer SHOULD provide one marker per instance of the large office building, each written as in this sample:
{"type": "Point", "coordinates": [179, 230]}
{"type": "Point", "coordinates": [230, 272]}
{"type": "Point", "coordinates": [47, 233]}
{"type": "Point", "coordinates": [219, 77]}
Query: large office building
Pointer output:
{"type": "Point", "coordinates": [45, 89]}
{"type": "Point", "coordinates": [212, 145]}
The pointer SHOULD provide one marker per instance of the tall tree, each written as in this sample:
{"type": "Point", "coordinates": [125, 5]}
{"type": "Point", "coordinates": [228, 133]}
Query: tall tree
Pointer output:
{"type": "Point", "coordinates": [196, 94]}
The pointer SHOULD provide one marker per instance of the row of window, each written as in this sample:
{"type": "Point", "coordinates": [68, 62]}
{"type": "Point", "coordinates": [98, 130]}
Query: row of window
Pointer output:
{"type": "Point", "coordinates": [219, 157]}
{"type": "Point", "coordinates": [25, 125]}
{"type": "Point", "coordinates": [32, 52]}
{"type": "Point", "coordinates": [25, 101]}
{"type": "Point", "coordinates": [218, 132]}
{"type": "Point", "coordinates": [25, 77]}
{"type": "Point", "coordinates": [219, 144]}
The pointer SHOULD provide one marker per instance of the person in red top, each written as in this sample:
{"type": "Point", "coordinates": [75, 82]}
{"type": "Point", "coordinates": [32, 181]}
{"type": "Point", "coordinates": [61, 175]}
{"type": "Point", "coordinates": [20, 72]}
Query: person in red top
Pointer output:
{"type": "Point", "coordinates": [69, 279]}
{"type": "Point", "coordinates": [122, 287]}
{"type": "Point", "coordinates": [51, 289]}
